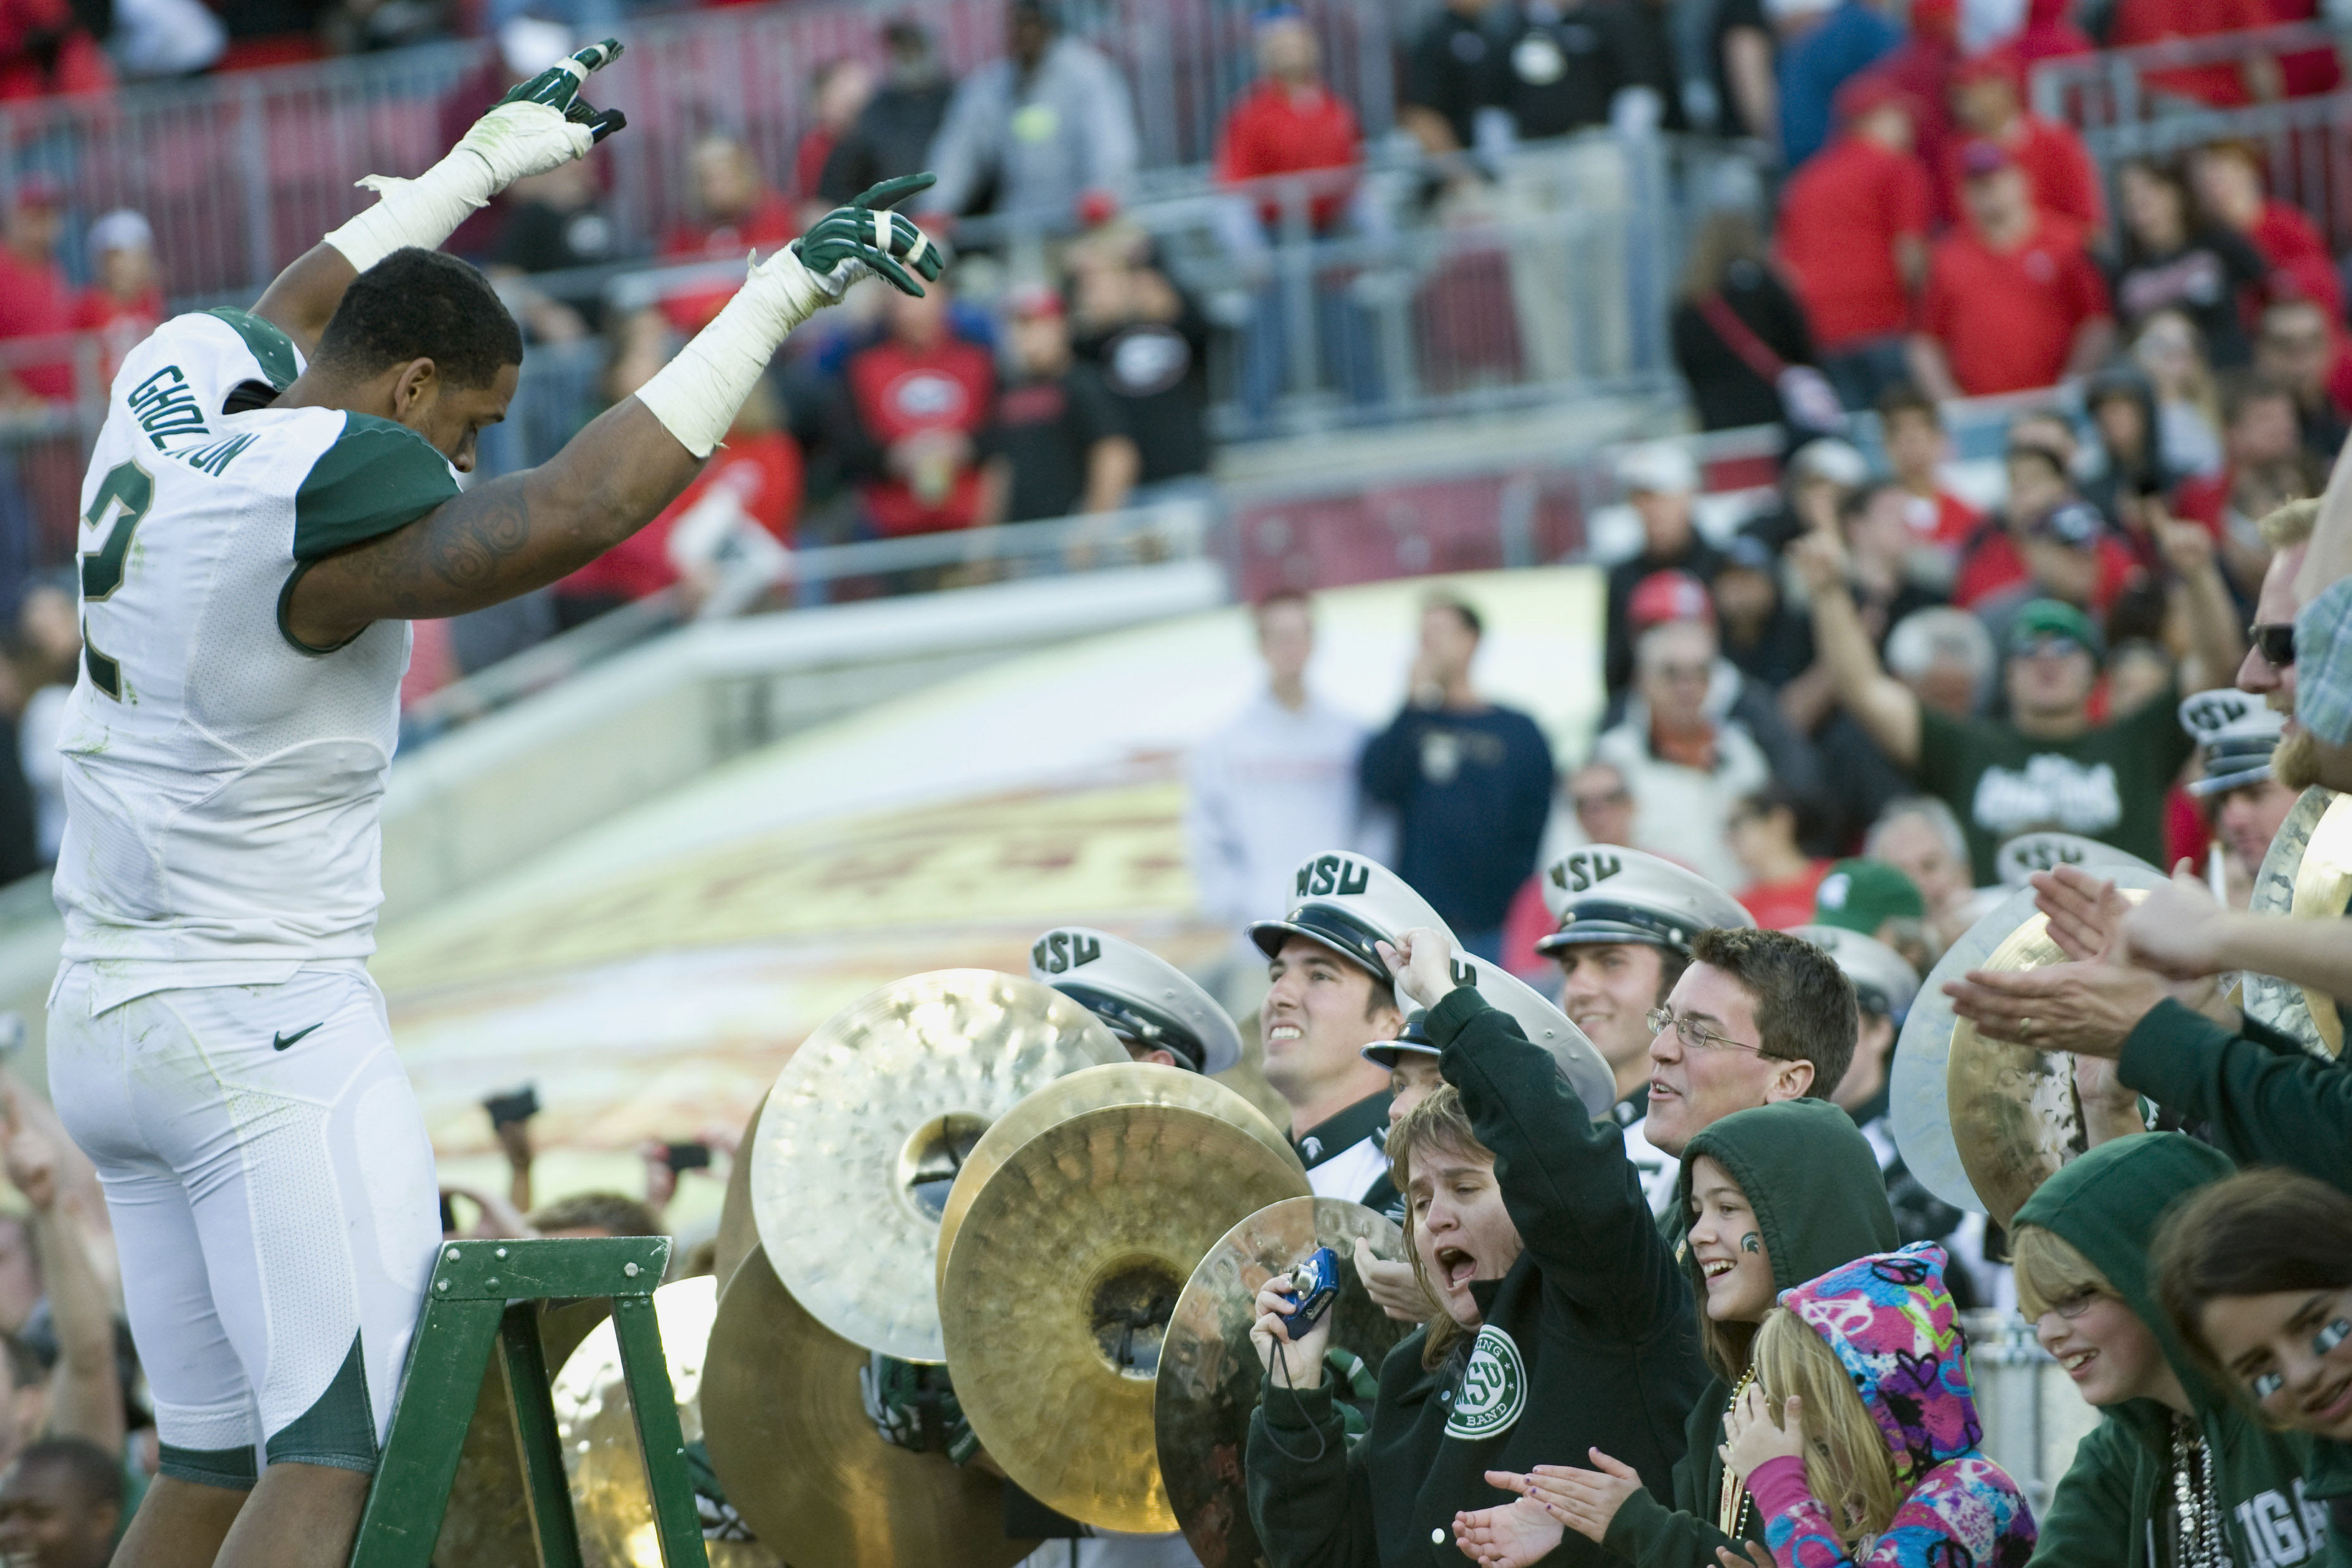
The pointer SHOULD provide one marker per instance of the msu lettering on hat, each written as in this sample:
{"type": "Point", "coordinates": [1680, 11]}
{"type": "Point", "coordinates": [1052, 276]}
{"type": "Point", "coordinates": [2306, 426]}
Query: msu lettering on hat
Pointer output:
{"type": "Point", "coordinates": [2016, 860]}
{"type": "Point", "coordinates": [1883, 981]}
{"type": "Point", "coordinates": [1349, 904]}
{"type": "Point", "coordinates": [1139, 996]}
{"type": "Point", "coordinates": [1604, 892]}
{"type": "Point", "coordinates": [2235, 734]}
{"type": "Point", "coordinates": [1580, 1063]}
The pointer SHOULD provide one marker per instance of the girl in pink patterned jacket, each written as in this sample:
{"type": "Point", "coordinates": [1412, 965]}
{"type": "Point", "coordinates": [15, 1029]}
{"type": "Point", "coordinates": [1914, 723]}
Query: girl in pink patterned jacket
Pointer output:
{"type": "Point", "coordinates": [1859, 1440]}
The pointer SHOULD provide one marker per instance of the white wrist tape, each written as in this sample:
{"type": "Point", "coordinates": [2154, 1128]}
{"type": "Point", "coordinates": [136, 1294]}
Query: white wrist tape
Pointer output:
{"type": "Point", "coordinates": [424, 212]}
{"type": "Point", "coordinates": [511, 140]}
{"type": "Point", "coordinates": [696, 395]}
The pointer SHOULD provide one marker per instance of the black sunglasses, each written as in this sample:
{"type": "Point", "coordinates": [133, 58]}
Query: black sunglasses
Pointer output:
{"type": "Point", "coordinates": [2275, 642]}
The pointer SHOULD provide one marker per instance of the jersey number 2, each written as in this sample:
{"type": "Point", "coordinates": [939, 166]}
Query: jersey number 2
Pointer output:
{"type": "Point", "coordinates": [130, 487]}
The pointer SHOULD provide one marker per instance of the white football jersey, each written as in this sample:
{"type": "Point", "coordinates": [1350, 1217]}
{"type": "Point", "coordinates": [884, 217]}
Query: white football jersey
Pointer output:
{"type": "Point", "coordinates": [222, 782]}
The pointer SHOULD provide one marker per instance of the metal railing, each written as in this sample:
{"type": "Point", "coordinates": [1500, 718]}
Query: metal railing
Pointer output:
{"type": "Point", "coordinates": [2306, 144]}
{"type": "Point", "coordinates": [1164, 531]}
{"type": "Point", "coordinates": [2113, 86]}
{"type": "Point", "coordinates": [240, 174]}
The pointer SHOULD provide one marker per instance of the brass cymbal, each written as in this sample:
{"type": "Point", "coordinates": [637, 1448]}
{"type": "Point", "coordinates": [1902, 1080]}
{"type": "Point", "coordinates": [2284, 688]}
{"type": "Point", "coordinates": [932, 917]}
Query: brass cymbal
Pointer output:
{"type": "Point", "coordinates": [1953, 1151]}
{"type": "Point", "coordinates": [1059, 1286]}
{"type": "Point", "coordinates": [1091, 1089]}
{"type": "Point", "coordinates": [601, 1456]}
{"type": "Point", "coordinates": [867, 1123]}
{"type": "Point", "coordinates": [2307, 873]}
{"type": "Point", "coordinates": [739, 1230]}
{"type": "Point", "coordinates": [800, 1462]}
{"type": "Point", "coordinates": [2013, 1111]}
{"type": "Point", "coordinates": [1209, 1375]}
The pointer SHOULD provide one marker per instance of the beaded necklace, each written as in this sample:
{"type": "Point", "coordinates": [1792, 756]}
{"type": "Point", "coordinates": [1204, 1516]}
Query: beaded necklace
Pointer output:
{"type": "Point", "coordinates": [1732, 1505]}
{"type": "Point", "coordinates": [2197, 1510]}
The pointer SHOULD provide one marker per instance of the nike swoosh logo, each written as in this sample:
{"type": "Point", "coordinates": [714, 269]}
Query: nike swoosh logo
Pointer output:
{"type": "Point", "coordinates": [281, 1042]}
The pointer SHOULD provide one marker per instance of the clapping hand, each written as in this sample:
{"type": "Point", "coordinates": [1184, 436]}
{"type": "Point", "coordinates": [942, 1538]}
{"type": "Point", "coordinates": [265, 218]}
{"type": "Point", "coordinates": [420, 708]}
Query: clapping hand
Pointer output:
{"type": "Point", "coordinates": [1510, 1536]}
{"type": "Point", "coordinates": [1584, 1501]}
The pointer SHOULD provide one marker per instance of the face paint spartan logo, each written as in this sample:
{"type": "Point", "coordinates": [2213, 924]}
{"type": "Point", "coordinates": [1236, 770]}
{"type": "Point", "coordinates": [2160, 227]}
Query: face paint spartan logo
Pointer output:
{"type": "Point", "coordinates": [1493, 1388]}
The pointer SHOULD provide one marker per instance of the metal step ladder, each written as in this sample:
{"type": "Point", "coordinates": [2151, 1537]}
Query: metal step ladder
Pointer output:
{"type": "Point", "coordinates": [486, 1294]}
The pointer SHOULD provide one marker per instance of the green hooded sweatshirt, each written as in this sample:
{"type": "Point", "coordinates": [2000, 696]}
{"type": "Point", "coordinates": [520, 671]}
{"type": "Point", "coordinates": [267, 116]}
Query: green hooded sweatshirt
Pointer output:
{"type": "Point", "coordinates": [2113, 1508]}
{"type": "Point", "coordinates": [1819, 1201]}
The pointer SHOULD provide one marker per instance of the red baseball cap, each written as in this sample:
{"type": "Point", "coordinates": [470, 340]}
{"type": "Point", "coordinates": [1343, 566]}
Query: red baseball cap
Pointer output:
{"type": "Point", "coordinates": [1870, 92]}
{"type": "Point", "coordinates": [2001, 65]}
{"type": "Point", "coordinates": [1027, 301]}
{"type": "Point", "coordinates": [1664, 596]}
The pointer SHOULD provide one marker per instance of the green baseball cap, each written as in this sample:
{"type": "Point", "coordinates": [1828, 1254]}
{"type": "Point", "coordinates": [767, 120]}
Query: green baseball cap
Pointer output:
{"type": "Point", "coordinates": [2039, 618]}
{"type": "Point", "coordinates": [1862, 895]}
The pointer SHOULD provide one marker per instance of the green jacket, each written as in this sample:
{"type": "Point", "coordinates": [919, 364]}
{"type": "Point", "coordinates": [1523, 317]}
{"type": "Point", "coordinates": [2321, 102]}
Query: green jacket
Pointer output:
{"type": "Point", "coordinates": [1819, 1201]}
{"type": "Point", "coordinates": [1589, 1343]}
{"type": "Point", "coordinates": [2113, 1509]}
{"type": "Point", "coordinates": [2266, 1100]}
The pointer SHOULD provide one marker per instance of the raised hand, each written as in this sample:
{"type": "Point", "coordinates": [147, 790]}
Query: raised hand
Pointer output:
{"type": "Point", "coordinates": [1293, 1364]}
{"type": "Point", "coordinates": [864, 238]}
{"type": "Point", "coordinates": [1422, 961]}
{"type": "Point", "coordinates": [1752, 1437]}
{"type": "Point", "coordinates": [543, 123]}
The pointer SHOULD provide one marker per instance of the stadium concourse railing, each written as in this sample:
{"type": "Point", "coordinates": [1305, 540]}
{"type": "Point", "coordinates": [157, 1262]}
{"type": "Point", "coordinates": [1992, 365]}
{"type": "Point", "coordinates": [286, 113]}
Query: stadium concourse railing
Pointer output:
{"type": "Point", "coordinates": [2306, 144]}
{"type": "Point", "coordinates": [241, 172]}
{"type": "Point", "coordinates": [2113, 86]}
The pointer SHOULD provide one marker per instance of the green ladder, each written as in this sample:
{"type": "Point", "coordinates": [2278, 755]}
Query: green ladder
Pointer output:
{"type": "Point", "coordinates": [486, 1293]}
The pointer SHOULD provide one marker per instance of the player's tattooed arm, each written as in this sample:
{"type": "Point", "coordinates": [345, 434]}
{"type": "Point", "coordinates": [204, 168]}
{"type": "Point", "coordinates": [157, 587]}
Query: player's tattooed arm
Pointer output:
{"type": "Point", "coordinates": [502, 539]}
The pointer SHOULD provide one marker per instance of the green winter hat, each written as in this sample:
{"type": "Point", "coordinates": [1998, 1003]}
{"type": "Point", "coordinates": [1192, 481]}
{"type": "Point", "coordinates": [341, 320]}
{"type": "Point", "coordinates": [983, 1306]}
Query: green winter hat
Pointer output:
{"type": "Point", "coordinates": [1863, 895]}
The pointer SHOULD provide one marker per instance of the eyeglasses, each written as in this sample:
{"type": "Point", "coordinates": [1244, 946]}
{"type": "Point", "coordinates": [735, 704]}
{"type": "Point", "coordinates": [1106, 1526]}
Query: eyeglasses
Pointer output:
{"type": "Point", "coordinates": [2074, 1305]}
{"type": "Point", "coordinates": [2275, 641]}
{"type": "Point", "coordinates": [1694, 1035]}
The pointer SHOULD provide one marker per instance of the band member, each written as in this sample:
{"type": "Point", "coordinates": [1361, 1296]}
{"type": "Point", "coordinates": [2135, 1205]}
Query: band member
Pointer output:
{"type": "Point", "coordinates": [1626, 921]}
{"type": "Point", "coordinates": [1330, 996]}
{"type": "Point", "coordinates": [1565, 1324]}
{"type": "Point", "coordinates": [1154, 1009]}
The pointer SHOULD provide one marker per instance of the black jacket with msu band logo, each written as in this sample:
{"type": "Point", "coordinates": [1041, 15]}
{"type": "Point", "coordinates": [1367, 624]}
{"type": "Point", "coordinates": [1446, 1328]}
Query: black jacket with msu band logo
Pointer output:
{"type": "Point", "coordinates": [1590, 1341]}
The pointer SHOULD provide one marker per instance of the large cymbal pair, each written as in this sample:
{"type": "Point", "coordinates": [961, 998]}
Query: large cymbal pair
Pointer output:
{"type": "Point", "coordinates": [1981, 1123]}
{"type": "Point", "coordinates": [2307, 874]}
{"type": "Point", "coordinates": [1076, 1225]}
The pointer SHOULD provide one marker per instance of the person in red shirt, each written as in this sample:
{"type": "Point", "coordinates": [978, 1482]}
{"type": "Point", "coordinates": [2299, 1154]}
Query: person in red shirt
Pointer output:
{"type": "Point", "coordinates": [2049, 35]}
{"type": "Point", "coordinates": [2013, 299]}
{"type": "Point", "coordinates": [840, 89]}
{"type": "Point", "coordinates": [739, 211]}
{"type": "Point", "coordinates": [126, 302]}
{"type": "Point", "coordinates": [1987, 95]}
{"type": "Point", "coordinates": [2265, 466]}
{"type": "Point", "coordinates": [46, 51]}
{"type": "Point", "coordinates": [1922, 65]}
{"type": "Point", "coordinates": [2222, 84]}
{"type": "Point", "coordinates": [912, 409]}
{"type": "Point", "coordinates": [1765, 831]}
{"type": "Point", "coordinates": [36, 301]}
{"type": "Point", "coordinates": [2002, 560]}
{"type": "Point", "coordinates": [1290, 123]}
{"type": "Point", "coordinates": [1853, 238]}
{"type": "Point", "coordinates": [1912, 427]}
{"type": "Point", "coordinates": [2228, 179]}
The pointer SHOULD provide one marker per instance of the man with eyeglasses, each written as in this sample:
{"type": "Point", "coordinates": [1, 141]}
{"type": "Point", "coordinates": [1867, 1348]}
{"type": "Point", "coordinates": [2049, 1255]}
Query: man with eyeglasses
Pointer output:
{"type": "Point", "coordinates": [1758, 1017]}
{"type": "Point", "coordinates": [2046, 765]}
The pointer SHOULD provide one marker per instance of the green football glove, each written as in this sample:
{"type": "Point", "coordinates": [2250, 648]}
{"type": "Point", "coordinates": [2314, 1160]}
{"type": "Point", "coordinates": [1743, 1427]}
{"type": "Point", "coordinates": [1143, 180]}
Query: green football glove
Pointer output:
{"type": "Point", "coordinates": [558, 87]}
{"type": "Point", "coordinates": [865, 237]}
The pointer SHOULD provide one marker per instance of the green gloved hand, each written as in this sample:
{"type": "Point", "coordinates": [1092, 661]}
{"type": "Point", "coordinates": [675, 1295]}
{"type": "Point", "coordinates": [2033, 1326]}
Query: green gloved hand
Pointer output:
{"type": "Point", "coordinates": [558, 87]}
{"type": "Point", "coordinates": [865, 237]}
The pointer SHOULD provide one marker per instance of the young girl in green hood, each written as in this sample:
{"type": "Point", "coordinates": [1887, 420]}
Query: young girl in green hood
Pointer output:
{"type": "Point", "coordinates": [2256, 1273]}
{"type": "Point", "coordinates": [2179, 1474]}
{"type": "Point", "coordinates": [1775, 1195]}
